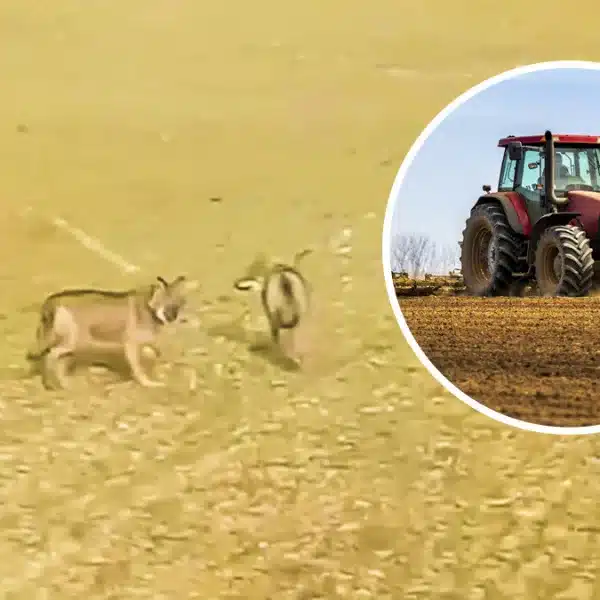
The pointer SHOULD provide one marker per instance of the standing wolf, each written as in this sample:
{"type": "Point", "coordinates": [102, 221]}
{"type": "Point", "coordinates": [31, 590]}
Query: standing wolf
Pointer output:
{"type": "Point", "coordinates": [96, 326]}
{"type": "Point", "coordinates": [286, 298]}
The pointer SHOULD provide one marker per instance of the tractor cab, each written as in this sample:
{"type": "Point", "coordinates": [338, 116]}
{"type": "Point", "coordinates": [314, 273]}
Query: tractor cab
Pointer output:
{"type": "Point", "coordinates": [573, 165]}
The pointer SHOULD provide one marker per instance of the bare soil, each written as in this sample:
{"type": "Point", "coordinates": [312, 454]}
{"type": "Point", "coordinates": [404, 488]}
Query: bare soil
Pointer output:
{"type": "Point", "coordinates": [535, 359]}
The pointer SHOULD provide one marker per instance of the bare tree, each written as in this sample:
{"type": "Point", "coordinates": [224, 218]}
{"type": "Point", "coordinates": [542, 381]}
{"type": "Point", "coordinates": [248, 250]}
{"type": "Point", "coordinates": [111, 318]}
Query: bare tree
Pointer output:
{"type": "Point", "coordinates": [417, 255]}
{"type": "Point", "coordinates": [448, 258]}
{"type": "Point", "coordinates": [399, 254]}
{"type": "Point", "coordinates": [413, 254]}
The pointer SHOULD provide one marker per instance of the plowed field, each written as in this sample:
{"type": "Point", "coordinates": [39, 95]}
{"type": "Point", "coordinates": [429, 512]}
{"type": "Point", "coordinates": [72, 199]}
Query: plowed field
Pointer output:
{"type": "Point", "coordinates": [534, 359]}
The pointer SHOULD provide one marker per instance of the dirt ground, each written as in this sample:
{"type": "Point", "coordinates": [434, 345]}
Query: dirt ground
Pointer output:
{"type": "Point", "coordinates": [186, 136]}
{"type": "Point", "coordinates": [535, 359]}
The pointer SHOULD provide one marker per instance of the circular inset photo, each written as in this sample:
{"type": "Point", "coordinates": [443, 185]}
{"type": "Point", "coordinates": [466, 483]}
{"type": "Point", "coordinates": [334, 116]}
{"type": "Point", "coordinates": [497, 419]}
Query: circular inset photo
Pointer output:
{"type": "Point", "coordinates": [491, 247]}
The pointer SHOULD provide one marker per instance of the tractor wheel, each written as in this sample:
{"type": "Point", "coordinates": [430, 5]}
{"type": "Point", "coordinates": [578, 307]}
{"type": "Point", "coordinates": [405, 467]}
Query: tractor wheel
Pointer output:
{"type": "Point", "coordinates": [563, 262]}
{"type": "Point", "coordinates": [490, 252]}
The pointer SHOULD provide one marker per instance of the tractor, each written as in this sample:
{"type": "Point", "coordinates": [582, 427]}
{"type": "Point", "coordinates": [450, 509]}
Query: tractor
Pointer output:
{"type": "Point", "coordinates": [542, 225]}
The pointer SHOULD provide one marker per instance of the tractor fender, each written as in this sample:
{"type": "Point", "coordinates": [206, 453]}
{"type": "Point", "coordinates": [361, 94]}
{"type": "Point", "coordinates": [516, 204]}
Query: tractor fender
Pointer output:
{"type": "Point", "coordinates": [513, 208]}
{"type": "Point", "coordinates": [545, 221]}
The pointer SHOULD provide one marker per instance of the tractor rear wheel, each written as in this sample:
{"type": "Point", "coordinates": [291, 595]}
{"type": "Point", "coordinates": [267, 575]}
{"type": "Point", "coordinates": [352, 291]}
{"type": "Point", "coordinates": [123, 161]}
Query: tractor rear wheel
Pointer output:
{"type": "Point", "coordinates": [563, 262]}
{"type": "Point", "coordinates": [490, 252]}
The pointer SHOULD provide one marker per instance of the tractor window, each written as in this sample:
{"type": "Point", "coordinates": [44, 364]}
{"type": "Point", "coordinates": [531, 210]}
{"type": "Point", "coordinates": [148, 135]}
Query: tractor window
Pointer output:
{"type": "Point", "coordinates": [594, 165]}
{"type": "Point", "coordinates": [532, 170]}
{"type": "Point", "coordinates": [574, 168]}
{"type": "Point", "coordinates": [507, 175]}
{"type": "Point", "coordinates": [566, 163]}
{"type": "Point", "coordinates": [582, 166]}
{"type": "Point", "coordinates": [577, 168]}
{"type": "Point", "coordinates": [586, 166]}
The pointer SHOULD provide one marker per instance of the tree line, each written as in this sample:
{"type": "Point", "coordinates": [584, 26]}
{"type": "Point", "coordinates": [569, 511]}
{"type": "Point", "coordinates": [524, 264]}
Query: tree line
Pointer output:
{"type": "Point", "coordinates": [418, 254]}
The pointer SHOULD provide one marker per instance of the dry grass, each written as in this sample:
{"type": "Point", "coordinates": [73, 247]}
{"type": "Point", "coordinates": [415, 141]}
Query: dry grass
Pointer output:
{"type": "Point", "coordinates": [363, 479]}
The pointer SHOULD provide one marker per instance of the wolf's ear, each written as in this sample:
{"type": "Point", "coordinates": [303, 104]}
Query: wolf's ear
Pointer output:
{"type": "Point", "coordinates": [156, 295]}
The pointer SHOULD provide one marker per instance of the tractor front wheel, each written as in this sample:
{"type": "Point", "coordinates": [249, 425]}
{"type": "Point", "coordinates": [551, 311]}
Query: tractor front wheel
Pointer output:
{"type": "Point", "coordinates": [490, 252]}
{"type": "Point", "coordinates": [563, 262]}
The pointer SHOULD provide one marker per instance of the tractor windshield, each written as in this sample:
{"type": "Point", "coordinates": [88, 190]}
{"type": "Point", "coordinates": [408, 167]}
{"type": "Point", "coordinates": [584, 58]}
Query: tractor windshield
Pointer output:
{"type": "Point", "coordinates": [576, 168]}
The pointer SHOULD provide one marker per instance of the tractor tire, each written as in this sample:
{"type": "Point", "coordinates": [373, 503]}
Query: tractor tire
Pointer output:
{"type": "Point", "coordinates": [563, 262]}
{"type": "Point", "coordinates": [490, 253]}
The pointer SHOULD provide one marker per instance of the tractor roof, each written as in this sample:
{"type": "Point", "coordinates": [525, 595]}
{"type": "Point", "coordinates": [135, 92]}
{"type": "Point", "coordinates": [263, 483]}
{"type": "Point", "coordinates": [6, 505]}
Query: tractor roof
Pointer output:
{"type": "Point", "coordinates": [539, 140]}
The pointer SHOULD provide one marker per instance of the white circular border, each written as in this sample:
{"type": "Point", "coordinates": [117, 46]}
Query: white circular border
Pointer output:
{"type": "Point", "coordinates": [387, 236]}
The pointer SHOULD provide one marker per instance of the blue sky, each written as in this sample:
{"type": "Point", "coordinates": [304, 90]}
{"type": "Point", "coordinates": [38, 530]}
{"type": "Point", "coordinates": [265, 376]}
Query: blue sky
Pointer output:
{"type": "Point", "coordinates": [461, 155]}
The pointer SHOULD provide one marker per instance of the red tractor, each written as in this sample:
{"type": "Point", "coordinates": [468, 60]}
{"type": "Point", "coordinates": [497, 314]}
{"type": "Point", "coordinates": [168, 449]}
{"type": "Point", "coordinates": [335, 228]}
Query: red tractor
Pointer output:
{"type": "Point", "coordinates": [542, 224]}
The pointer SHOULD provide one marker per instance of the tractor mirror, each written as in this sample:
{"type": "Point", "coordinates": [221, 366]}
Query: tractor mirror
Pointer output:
{"type": "Point", "coordinates": [515, 151]}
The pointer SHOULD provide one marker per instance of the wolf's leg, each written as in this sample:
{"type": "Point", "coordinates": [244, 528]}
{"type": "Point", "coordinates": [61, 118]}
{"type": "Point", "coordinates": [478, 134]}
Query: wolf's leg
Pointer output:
{"type": "Point", "coordinates": [132, 356]}
{"type": "Point", "coordinates": [55, 365]}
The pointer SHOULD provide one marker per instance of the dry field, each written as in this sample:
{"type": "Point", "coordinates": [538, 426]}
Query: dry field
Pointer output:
{"type": "Point", "coordinates": [186, 136]}
{"type": "Point", "coordinates": [535, 359]}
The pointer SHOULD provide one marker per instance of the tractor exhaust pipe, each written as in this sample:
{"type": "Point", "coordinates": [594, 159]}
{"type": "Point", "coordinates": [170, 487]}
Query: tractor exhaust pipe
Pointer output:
{"type": "Point", "coordinates": [550, 160]}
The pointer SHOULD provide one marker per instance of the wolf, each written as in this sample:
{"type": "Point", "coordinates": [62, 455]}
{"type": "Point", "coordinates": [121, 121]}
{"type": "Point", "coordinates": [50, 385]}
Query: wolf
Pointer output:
{"type": "Point", "coordinates": [286, 298]}
{"type": "Point", "coordinates": [96, 326]}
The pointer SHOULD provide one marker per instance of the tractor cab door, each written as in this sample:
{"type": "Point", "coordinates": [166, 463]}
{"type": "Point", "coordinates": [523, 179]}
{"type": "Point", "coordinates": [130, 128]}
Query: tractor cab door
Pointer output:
{"type": "Point", "coordinates": [529, 182]}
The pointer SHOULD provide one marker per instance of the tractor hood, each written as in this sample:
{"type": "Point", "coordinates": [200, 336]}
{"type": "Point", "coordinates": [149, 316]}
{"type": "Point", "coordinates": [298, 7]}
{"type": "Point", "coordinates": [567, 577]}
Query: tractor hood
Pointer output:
{"type": "Point", "coordinates": [585, 193]}
{"type": "Point", "coordinates": [588, 205]}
